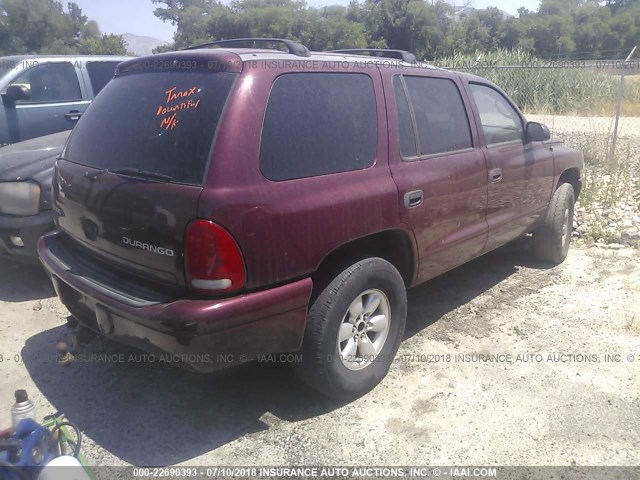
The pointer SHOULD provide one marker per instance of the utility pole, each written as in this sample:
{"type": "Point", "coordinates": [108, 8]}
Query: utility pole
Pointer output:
{"type": "Point", "coordinates": [614, 139]}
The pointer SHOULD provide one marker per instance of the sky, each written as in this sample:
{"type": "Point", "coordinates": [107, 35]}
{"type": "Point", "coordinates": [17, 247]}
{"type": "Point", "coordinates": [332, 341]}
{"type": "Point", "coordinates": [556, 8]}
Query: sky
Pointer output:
{"type": "Point", "coordinates": [140, 20]}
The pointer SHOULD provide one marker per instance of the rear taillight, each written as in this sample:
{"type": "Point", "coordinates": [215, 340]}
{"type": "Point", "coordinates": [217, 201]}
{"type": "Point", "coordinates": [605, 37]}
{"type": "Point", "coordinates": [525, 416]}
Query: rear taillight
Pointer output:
{"type": "Point", "coordinates": [212, 260]}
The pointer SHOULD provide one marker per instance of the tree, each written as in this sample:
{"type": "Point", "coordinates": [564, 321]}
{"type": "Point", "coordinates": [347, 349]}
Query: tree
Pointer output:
{"type": "Point", "coordinates": [34, 26]}
{"type": "Point", "coordinates": [78, 20]}
{"type": "Point", "coordinates": [42, 26]}
{"type": "Point", "coordinates": [428, 28]}
{"type": "Point", "coordinates": [496, 26]}
{"type": "Point", "coordinates": [104, 45]}
{"type": "Point", "coordinates": [615, 5]}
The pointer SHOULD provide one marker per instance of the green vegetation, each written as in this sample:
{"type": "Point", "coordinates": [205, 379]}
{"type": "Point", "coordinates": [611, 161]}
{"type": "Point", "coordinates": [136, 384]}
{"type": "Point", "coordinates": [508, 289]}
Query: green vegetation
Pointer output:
{"type": "Point", "coordinates": [445, 35]}
{"type": "Point", "coordinates": [442, 34]}
{"type": "Point", "coordinates": [539, 89]}
{"type": "Point", "coordinates": [430, 29]}
{"type": "Point", "coordinates": [611, 187]}
{"type": "Point", "coordinates": [42, 26]}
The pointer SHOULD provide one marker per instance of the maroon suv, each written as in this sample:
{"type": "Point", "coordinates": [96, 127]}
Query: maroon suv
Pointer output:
{"type": "Point", "coordinates": [219, 203]}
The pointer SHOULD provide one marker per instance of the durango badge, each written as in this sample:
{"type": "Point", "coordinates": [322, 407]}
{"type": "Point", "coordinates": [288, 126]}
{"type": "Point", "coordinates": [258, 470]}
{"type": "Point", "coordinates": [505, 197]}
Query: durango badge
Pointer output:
{"type": "Point", "coordinates": [145, 246]}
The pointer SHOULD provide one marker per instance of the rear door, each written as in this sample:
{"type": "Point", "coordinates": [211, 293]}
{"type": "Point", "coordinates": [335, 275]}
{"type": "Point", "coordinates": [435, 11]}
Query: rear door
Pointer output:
{"type": "Point", "coordinates": [56, 97]}
{"type": "Point", "coordinates": [133, 169]}
{"type": "Point", "coordinates": [439, 170]}
{"type": "Point", "coordinates": [520, 176]}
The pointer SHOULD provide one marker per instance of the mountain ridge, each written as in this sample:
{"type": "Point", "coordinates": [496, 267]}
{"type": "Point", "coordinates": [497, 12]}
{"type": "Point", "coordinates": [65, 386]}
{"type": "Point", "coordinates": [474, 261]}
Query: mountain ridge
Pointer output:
{"type": "Point", "coordinates": [141, 45]}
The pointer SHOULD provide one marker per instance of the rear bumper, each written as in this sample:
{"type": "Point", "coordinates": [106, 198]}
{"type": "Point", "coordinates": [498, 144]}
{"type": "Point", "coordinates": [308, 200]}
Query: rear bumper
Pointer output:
{"type": "Point", "coordinates": [29, 229]}
{"type": "Point", "coordinates": [203, 335]}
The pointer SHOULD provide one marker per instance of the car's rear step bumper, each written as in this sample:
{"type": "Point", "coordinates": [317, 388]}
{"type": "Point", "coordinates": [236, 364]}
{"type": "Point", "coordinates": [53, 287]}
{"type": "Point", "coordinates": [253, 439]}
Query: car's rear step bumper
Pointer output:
{"type": "Point", "coordinates": [203, 335]}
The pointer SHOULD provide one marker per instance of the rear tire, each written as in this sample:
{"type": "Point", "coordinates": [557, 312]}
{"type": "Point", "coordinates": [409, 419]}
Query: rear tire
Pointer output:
{"type": "Point", "coordinates": [552, 239]}
{"type": "Point", "coordinates": [354, 329]}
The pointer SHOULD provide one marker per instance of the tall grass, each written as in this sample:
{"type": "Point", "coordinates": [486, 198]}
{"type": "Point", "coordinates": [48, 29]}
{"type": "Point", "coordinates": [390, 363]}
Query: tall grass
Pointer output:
{"type": "Point", "coordinates": [611, 187]}
{"type": "Point", "coordinates": [540, 88]}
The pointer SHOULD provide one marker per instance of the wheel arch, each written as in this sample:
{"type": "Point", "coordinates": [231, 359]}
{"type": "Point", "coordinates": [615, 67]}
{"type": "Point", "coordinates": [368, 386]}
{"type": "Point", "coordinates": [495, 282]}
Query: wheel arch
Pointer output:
{"type": "Point", "coordinates": [572, 176]}
{"type": "Point", "coordinates": [395, 246]}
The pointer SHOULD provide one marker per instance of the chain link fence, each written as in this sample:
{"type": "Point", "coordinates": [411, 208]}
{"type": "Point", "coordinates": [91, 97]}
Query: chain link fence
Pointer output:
{"type": "Point", "coordinates": [574, 96]}
{"type": "Point", "coordinates": [593, 106]}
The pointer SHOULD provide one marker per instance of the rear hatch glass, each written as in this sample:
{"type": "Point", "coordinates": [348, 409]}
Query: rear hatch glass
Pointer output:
{"type": "Point", "coordinates": [161, 122]}
{"type": "Point", "coordinates": [130, 176]}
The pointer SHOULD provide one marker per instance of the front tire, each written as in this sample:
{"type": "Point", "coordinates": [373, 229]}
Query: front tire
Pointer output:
{"type": "Point", "coordinates": [552, 239]}
{"type": "Point", "coordinates": [354, 329]}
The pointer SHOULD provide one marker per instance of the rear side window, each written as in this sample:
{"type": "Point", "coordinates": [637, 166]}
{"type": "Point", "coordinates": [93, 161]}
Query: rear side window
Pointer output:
{"type": "Point", "coordinates": [441, 120]}
{"type": "Point", "coordinates": [318, 123]}
{"type": "Point", "coordinates": [162, 122]}
{"type": "Point", "coordinates": [100, 73]}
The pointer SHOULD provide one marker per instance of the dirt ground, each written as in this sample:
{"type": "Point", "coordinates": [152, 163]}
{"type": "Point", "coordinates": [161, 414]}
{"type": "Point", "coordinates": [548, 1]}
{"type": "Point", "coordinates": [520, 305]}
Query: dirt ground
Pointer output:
{"type": "Point", "coordinates": [505, 362]}
{"type": "Point", "coordinates": [560, 124]}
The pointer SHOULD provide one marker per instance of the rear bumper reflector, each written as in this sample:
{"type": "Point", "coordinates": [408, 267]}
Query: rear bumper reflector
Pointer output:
{"type": "Point", "coordinates": [211, 284]}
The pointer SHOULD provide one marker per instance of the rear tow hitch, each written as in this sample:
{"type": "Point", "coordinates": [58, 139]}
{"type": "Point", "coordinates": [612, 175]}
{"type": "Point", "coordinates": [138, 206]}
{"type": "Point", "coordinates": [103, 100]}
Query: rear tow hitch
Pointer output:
{"type": "Point", "coordinates": [81, 336]}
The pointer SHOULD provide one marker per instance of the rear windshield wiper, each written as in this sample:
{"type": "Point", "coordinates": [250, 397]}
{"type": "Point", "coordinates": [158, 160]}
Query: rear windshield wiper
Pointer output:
{"type": "Point", "coordinates": [137, 172]}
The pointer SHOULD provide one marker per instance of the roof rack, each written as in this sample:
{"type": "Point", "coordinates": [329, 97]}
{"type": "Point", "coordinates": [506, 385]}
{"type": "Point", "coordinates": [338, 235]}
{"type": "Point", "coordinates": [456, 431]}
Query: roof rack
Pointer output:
{"type": "Point", "coordinates": [293, 47]}
{"type": "Point", "coordinates": [380, 52]}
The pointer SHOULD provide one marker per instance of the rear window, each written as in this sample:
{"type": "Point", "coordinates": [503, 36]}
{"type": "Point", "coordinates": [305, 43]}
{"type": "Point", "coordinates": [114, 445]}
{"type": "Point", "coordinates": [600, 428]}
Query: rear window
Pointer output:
{"type": "Point", "coordinates": [162, 122]}
{"type": "Point", "coordinates": [100, 73]}
{"type": "Point", "coordinates": [318, 123]}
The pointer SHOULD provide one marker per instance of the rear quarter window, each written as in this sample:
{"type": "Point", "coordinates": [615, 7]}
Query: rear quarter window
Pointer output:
{"type": "Point", "coordinates": [100, 73]}
{"type": "Point", "coordinates": [317, 124]}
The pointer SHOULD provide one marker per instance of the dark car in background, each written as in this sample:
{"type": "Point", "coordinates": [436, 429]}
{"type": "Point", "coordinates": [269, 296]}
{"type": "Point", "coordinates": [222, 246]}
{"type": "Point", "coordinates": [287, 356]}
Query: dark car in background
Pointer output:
{"type": "Point", "coordinates": [26, 171]}
{"type": "Point", "coordinates": [44, 94]}
{"type": "Point", "coordinates": [40, 95]}
{"type": "Point", "coordinates": [219, 204]}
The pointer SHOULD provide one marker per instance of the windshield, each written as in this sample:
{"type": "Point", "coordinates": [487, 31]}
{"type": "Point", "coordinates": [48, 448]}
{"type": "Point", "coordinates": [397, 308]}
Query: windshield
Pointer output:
{"type": "Point", "coordinates": [160, 122]}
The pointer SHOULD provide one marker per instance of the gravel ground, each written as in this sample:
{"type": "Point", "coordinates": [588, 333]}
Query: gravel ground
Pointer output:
{"type": "Point", "coordinates": [548, 396]}
{"type": "Point", "coordinates": [558, 124]}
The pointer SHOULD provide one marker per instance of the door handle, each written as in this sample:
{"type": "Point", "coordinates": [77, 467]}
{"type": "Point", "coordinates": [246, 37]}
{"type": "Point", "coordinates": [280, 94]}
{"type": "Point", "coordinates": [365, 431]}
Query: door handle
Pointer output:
{"type": "Point", "coordinates": [495, 175]}
{"type": "Point", "coordinates": [413, 198]}
{"type": "Point", "coordinates": [73, 115]}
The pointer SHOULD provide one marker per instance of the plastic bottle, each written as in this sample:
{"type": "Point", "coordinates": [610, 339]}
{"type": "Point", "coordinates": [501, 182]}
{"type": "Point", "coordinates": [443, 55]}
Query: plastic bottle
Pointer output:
{"type": "Point", "coordinates": [64, 468]}
{"type": "Point", "coordinates": [23, 408]}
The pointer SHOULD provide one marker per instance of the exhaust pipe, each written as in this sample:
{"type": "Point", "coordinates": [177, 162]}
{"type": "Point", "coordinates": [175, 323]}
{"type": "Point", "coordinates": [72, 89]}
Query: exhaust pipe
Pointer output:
{"type": "Point", "coordinates": [80, 336]}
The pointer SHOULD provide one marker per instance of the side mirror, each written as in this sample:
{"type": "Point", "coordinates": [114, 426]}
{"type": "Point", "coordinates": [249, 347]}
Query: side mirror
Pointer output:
{"type": "Point", "coordinates": [536, 132]}
{"type": "Point", "coordinates": [17, 92]}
